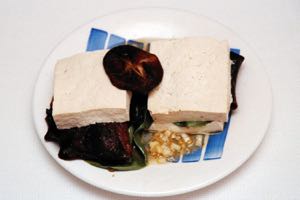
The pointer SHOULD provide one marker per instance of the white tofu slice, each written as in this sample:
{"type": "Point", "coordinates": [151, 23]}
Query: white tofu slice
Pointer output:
{"type": "Point", "coordinates": [84, 95]}
{"type": "Point", "coordinates": [196, 83]}
{"type": "Point", "coordinates": [211, 127]}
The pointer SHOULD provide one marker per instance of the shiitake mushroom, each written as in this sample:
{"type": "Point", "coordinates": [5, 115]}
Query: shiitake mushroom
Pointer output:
{"type": "Point", "coordinates": [131, 68]}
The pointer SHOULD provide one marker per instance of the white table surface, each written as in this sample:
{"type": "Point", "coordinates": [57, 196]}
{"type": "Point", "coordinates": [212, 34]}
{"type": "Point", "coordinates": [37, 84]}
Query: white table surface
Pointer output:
{"type": "Point", "coordinates": [30, 29]}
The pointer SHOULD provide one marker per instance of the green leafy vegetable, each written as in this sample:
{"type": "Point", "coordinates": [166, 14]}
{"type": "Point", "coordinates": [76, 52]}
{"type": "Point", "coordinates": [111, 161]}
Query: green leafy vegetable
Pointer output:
{"type": "Point", "coordinates": [138, 134]}
{"type": "Point", "coordinates": [131, 134]}
{"type": "Point", "coordinates": [192, 123]}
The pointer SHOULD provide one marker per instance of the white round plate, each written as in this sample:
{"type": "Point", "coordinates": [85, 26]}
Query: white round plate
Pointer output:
{"type": "Point", "coordinates": [248, 124]}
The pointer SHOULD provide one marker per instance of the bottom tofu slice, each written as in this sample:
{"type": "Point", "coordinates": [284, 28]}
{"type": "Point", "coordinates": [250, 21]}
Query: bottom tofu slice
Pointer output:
{"type": "Point", "coordinates": [211, 127]}
{"type": "Point", "coordinates": [84, 95]}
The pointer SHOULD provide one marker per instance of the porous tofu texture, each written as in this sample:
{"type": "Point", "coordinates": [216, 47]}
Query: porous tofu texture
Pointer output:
{"type": "Point", "coordinates": [196, 83]}
{"type": "Point", "coordinates": [84, 95]}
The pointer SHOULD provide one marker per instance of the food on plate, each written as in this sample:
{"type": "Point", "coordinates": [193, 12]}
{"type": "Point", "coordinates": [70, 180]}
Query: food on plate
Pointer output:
{"type": "Point", "coordinates": [130, 68]}
{"type": "Point", "coordinates": [122, 108]}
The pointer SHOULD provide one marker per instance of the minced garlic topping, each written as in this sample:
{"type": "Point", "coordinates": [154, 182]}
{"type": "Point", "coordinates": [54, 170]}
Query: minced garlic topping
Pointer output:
{"type": "Point", "coordinates": [168, 146]}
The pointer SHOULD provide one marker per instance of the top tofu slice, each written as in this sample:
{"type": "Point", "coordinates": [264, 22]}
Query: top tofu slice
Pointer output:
{"type": "Point", "coordinates": [84, 95]}
{"type": "Point", "coordinates": [196, 84]}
